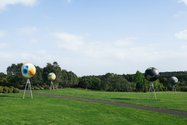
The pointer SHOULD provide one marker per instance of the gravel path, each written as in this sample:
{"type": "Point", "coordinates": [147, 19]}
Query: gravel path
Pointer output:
{"type": "Point", "coordinates": [136, 106]}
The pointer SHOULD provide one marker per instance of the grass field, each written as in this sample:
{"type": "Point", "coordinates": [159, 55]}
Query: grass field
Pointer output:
{"type": "Point", "coordinates": [56, 111]}
{"type": "Point", "coordinates": [169, 100]}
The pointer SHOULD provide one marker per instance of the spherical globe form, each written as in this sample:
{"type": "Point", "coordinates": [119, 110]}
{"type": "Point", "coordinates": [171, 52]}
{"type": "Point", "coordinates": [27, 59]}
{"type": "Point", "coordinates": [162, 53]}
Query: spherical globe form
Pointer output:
{"type": "Point", "coordinates": [151, 74]}
{"type": "Point", "coordinates": [174, 80]}
{"type": "Point", "coordinates": [28, 70]}
{"type": "Point", "coordinates": [51, 76]}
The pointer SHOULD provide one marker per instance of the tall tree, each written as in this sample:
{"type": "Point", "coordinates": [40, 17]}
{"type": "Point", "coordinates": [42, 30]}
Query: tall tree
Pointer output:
{"type": "Point", "coordinates": [3, 79]}
{"type": "Point", "coordinates": [55, 68]}
{"type": "Point", "coordinates": [141, 84]}
{"type": "Point", "coordinates": [14, 76]}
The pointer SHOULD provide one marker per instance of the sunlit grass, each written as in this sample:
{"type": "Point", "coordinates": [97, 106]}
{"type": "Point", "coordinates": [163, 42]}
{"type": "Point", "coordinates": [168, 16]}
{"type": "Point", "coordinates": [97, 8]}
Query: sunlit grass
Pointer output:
{"type": "Point", "coordinates": [56, 111]}
{"type": "Point", "coordinates": [170, 100]}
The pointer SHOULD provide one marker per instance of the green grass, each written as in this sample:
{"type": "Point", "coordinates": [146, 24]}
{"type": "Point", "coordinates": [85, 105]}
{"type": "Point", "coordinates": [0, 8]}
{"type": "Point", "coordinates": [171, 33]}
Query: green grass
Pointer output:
{"type": "Point", "coordinates": [169, 100]}
{"type": "Point", "coordinates": [55, 111]}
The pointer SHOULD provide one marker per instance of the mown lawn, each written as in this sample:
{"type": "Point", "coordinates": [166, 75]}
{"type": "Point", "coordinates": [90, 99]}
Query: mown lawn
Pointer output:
{"type": "Point", "coordinates": [170, 100]}
{"type": "Point", "coordinates": [55, 111]}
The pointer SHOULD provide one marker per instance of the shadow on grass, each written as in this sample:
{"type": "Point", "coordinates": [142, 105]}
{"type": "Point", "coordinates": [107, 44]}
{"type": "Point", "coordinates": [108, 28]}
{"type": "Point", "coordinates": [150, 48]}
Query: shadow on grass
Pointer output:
{"type": "Point", "coordinates": [3, 95]}
{"type": "Point", "coordinates": [137, 100]}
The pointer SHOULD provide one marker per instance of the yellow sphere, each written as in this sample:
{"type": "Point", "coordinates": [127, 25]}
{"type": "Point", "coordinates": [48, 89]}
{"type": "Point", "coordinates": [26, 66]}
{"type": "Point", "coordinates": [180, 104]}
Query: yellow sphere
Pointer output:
{"type": "Point", "coordinates": [28, 70]}
{"type": "Point", "coordinates": [51, 76]}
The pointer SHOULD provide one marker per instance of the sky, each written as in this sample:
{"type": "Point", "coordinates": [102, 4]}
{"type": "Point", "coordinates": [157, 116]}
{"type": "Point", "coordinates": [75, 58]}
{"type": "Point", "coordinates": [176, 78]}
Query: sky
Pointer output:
{"type": "Point", "coordinates": [94, 37]}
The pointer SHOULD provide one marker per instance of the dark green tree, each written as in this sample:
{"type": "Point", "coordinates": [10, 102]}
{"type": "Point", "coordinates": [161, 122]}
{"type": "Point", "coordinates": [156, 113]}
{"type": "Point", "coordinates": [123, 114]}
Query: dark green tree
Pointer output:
{"type": "Point", "coordinates": [14, 76]}
{"type": "Point", "coordinates": [141, 83]}
{"type": "Point", "coordinates": [55, 68]}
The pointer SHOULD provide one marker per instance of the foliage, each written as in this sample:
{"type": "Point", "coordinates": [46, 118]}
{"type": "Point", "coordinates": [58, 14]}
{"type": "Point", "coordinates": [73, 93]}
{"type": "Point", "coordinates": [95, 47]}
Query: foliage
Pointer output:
{"type": "Point", "coordinates": [108, 82]}
{"type": "Point", "coordinates": [11, 89]}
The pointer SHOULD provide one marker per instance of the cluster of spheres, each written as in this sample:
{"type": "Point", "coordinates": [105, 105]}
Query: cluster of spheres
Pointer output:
{"type": "Point", "coordinates": [174, 80]}
{"type": "Point", "coordinates": [28, 70]}
{"type": "Point", "coordinates": [51, 76]}
{"type": "Point", "coordinates": [151, 74]}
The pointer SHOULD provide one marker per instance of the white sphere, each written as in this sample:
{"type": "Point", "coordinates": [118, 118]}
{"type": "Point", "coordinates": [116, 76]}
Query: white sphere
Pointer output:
{"type": "Point", "coordinates": [174, 79]}
{"type": "Point", "coordinates": [51, 76]}
{"type": "Point", "coordinates": [28, 70]}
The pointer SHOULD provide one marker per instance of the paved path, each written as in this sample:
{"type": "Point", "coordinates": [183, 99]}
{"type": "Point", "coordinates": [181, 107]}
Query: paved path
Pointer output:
{"type": "Point", "coordinates": [136, 106]}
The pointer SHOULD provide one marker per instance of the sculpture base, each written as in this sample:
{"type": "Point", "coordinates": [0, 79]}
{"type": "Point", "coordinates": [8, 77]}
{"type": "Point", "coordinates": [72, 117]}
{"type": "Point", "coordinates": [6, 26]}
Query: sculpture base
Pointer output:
{"type": "Point", "coordinates": [174, 89]}
{"type": "Point", "coordinates": [52, 86]}
{"type": "Point", "coordinates": [152, 89]}
{"type": "Point", "coordinates": [28, 85]}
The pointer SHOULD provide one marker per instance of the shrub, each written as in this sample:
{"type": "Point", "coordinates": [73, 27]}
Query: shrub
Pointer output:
{"type": "Point", "coordinates": [45, 86]}
{"type": "Point", "coordinates": [1, 89]}
{"type": "Point", "coordinates": [15, 90]}
{"type": "Point", "coordinates": [5, 89]}
{"type": "Point", "coordinates": [184, 88]}
{"type": "Point", "coordinates": [35, 88]}
{"type": "Point", "coordinates": [10, 90]}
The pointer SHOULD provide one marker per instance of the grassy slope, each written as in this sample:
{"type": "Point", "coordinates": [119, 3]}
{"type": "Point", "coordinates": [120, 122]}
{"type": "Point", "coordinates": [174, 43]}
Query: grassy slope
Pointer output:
{"type": "Point", "coordinates": [53, 111]}
{"type": "Point", "coordinates": [170, 100]}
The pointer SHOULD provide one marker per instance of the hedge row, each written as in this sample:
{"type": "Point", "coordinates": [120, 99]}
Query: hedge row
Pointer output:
{"type": "Point", "coordinates": [5, 89]}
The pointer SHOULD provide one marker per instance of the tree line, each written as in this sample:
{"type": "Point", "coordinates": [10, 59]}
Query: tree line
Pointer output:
{"type": "Point", "coordinates": [108, 82]}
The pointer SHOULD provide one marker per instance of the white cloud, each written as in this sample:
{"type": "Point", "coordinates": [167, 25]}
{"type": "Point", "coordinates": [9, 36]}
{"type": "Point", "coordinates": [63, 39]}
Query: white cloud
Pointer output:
{"type": "Point", "coordinates": [2, 34]}
{"type": "Point", "coordinates": [118, 56]}
{"type": "Point", "coordinates": [67, 37]}
{"type": "Point", "coordinates": [37, 58]}
{"type": "Point", "coordinates": [27, 30]}
{"type": "Point", "coordinates": [69, 41]}
{"type": "Point", "coordinates": [85, 56]}
{"type": "Point", "coordinates": [122, 49]}
{"type": "Point", "coordinates": [183, 1]}
{"type": "Point", "coordinates": [3, 45]}
{"type": "Point", "coordinates": [34, 41]}
{"type": "Point", "coordinates": [182, 35]}
{"type": "Point", "coordinates": [5, 3]}
{"type": "Point", "coordinates": [180, 14]}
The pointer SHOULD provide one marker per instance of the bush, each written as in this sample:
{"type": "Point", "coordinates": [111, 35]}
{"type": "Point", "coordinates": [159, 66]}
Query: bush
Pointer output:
{"type": "Point", "coordinates": [15, 90]}
{"type": "Point", "coordinates": [183, 88]}
{"type": "Point", "coordinates": [5, 89]}
{"type": "Point", "coordinates": [35, 88]}
{"type": "Point", "coordinates": [45, 87]}
{"type": "Point", "coordinates": [10, 90]}
{"type": "Point", "coordinates": [1, 89]}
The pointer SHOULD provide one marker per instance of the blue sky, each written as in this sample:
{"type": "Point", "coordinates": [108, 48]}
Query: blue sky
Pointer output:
{"type": "Point", "coordinates": [95, 36]}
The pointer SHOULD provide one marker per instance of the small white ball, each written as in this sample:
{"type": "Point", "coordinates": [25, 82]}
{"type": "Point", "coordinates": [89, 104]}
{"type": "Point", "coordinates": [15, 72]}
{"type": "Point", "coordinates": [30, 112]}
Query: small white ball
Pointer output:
{"type": "Point", "coordinates": [51, 76]}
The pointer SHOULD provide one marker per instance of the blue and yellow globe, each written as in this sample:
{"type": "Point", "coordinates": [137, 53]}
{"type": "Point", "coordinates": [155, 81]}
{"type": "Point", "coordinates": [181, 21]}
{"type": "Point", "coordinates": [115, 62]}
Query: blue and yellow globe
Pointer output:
{"type": "Point", "coordinates": [51, 76]}
{"type": "Point", "coordinates": [28, 70]}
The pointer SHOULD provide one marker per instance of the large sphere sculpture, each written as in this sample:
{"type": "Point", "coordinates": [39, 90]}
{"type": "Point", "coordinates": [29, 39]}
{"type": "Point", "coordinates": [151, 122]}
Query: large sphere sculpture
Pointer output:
{"type": "Point", "coordinates": [151, 74]}
{"type": "Point", "coordinates": [28, 70]}
{"type": "Point", "coordinates": [174, 80]}
{"type": "Point", "coordinates": [51, 76]}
